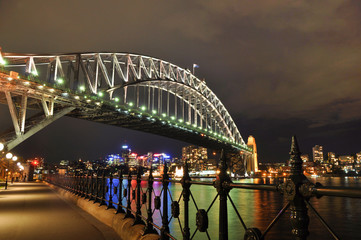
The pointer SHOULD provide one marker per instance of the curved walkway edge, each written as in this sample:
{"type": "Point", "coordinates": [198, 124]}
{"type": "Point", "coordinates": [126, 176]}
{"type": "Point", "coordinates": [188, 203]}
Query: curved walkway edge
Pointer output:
{"type": "Point", "coordinates": [122, 226]}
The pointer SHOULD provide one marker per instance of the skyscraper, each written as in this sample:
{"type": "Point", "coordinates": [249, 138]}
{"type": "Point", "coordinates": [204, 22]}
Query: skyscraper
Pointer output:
{"type": "Point", "coordinates": [332, 158]}
{"type": "Point", "coordinates": [317, 154]}
{"type": "Point", "coordinates": [196, 157]}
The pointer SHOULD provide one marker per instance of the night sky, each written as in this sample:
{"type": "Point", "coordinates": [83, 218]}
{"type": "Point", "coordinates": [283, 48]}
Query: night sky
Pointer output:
{"type": "Point", "coordinates": [280, 67]}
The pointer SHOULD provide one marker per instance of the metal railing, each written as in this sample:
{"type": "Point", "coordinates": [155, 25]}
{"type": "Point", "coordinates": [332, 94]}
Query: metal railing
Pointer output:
{"type": "Point", "coordinates": [297, 191]}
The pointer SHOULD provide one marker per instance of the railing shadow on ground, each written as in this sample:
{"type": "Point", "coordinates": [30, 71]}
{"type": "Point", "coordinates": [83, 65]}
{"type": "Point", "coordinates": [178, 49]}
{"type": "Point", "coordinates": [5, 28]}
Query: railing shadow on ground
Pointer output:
{"type": "Point", "coordinates": [131, 199]}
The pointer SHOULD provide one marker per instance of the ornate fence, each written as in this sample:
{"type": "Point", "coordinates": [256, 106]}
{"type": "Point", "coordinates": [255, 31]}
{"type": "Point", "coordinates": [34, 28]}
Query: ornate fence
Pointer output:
{"type": "Point", "coordinates": [297, 190]}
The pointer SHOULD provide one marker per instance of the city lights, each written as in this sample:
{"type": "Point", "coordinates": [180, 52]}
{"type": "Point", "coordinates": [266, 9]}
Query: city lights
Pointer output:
{"type": "Point", "coordinates": [9, 155]}
{"type": "Point", "coordinates": [2, 146]}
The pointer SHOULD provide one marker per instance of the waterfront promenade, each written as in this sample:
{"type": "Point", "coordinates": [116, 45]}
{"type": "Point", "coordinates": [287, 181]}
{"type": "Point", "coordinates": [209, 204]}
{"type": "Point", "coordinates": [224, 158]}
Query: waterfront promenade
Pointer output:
{"type": "Point", "coordinates": [34, 211]}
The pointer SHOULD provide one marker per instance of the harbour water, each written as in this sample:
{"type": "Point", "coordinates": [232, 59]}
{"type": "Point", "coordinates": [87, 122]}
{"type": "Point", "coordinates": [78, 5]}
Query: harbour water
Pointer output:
{"type": "Point", "coordinates": [258, 208]}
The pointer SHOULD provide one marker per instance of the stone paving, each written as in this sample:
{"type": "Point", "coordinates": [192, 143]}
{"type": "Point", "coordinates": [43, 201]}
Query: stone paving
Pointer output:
{"type": "Point", "coordinates": [33, 211]}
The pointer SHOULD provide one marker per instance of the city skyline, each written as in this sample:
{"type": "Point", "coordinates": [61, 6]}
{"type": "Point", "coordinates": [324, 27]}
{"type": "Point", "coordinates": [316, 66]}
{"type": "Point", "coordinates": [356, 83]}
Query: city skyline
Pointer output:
{"type": "Point", "coordinates": [293, 71]}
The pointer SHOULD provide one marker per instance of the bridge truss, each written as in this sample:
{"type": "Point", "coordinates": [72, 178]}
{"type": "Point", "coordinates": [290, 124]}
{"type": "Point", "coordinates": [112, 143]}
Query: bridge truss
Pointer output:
{"type": "Point", "coordinates": [127, 90]}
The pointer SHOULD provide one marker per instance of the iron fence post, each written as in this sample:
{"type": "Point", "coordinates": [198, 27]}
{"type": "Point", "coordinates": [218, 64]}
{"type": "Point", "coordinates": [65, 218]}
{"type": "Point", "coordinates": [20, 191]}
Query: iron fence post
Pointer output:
{"type": "Point", "coordinates": [85, 185]}
{"type": "Point", "coordinates": [138, 218]}
{"type": "Point", "coordinates": [165, 227]}
{"type": "Point", "coordinates": [186, 194]}
{"type": "Point", "coordinates": [91, 194]}
{"type": "Point", "coordinates": [298, 209]}
{"type": "Point", "coordinates": [222, 184]}
{"type": "Point", "coordinates": [82, 185]}
{"type": "Point", "coordinates": [120, 192]}
{"type": "Point", "coordinates": [102, 189]}
{"type": "Point", "coordinates": [149, 227]}
{"type": "Point", "coordinates": [129, 203]}
{"type": "Point", "coordinates": [110, 202]}
{"type": "Point", "coordinates": [76, 187]}
{"type": "Point", "coordinates": [96, 187]}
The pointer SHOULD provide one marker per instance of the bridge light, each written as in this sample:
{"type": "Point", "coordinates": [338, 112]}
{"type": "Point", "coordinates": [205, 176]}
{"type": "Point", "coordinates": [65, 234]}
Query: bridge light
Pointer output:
{"type": "Point", "coordinates": [82, 88]}
{"type": "Point", "coordinates": [76, 97]}
{"type": "Point", "coordinates": [2, 146]}
{"type": "Point", "coordinates": [100, 94]}
{"type": "Point", "coordinates": [15, 158]}
{"type": "Point", "coordinates": [172, 117]}
{"type": "Point", "coordinates": [116, 99]}
{"type": "Point", "coordinates": [154, 111]}
{"type": "Point", "coordinates": [143, 108]}
{"type": "Point", "coordinates": [131, 104]}
{"type": "Point", "coordinates": [180, 120]}
{"type": "Point", "coordinates": [164, 115]}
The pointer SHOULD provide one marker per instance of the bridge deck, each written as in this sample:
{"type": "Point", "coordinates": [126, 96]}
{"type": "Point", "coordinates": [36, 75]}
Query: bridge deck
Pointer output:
{"type": "Point", "coordinates": [35, 211]}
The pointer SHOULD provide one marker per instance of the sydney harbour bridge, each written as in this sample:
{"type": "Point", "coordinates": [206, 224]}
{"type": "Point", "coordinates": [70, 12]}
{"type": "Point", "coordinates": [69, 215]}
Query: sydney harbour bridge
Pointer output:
{"type": "Point", "coordinates": [121, 89]}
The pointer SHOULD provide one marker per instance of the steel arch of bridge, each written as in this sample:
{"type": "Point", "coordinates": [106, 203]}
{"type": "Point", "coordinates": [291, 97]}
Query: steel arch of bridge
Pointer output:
{"type": "Point", "coordinates": [156, 88]}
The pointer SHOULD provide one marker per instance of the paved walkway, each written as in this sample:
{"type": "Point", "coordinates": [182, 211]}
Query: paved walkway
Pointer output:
{"type": "Point", "coordinates": [34, 211]}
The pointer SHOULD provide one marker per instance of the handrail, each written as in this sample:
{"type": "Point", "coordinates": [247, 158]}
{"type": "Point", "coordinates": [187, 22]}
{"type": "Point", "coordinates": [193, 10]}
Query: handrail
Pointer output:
{"type": "Point", "coordinates": [297, 191]}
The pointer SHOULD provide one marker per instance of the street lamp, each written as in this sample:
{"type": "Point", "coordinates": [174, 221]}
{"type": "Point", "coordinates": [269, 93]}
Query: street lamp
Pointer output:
{"type": "Point", "coordinates": [8, 157]}
{"type": "Point", "coordinates": [2, 146]}
{"type": "Point", "coordinates": [15, 158]}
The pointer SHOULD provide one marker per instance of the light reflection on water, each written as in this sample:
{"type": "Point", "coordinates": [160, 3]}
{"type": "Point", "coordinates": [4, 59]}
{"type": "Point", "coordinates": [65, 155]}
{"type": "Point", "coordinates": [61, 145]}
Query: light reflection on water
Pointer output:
{"type": "Point", "coordinates": [258, 208]}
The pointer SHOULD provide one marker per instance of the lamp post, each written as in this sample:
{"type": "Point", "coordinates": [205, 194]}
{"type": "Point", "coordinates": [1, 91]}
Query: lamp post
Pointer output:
{"type": "Point", "coordinates": [8, 157]}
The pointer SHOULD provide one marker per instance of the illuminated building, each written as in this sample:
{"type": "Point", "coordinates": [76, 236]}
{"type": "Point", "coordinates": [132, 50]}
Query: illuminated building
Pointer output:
{"type": "Point", "coordinates": [252, 162]}
{"type": "Point", "coordinates": [196, 156]}
{"type": "Point", "coordinates": [317, 153]}
{"type": "Point", "coordinates": [305, 158]}
{"type": "Point", "coordinates": [160, 158]}
{"type": "Point", "coordinates": [124, 153]}
{"type": "Point", "coordinates": [346, 159]}
{"type": "Point", "coordinates": [114, 159]}
{"type": "Point", "coordinates": [331, 157]}
{"type": "Point", "coordinates": [358, 157]}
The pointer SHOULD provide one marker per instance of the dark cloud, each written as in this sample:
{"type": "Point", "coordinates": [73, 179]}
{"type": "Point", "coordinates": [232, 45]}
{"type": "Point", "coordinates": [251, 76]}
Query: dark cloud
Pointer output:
{"type": "Point", "coordinates": [270, 62]}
